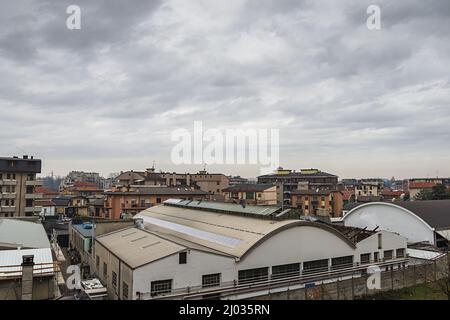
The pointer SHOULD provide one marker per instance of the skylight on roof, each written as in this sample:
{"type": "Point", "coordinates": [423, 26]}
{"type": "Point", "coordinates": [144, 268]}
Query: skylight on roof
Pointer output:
{"type": "Point", "coordinates": [197, 233]}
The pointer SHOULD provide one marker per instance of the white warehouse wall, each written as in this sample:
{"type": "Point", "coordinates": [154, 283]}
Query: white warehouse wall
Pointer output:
{"type": "Point", "coordinates": [390, 218]}
{"type": "Point", "coordinates": [199, 263]}
{"type": "Point", "coordinates": [298, 244]}
{"type": "Point", "coordinates": [389, 241]}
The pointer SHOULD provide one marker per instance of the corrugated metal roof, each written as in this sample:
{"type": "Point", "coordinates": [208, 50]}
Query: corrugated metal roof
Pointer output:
{"type": "Point", "coordinates": [231, 235]}
{"type": "Point", "coordinates": [11, 260]}
{"type": "Point", "coordinates": [138, 247]}
{"type": "Point", "coordinates": [26, 234]}
{"type": "Point", "coordinates": [424, 254]}
{"type": "Point", "coordinates": [224, 207]}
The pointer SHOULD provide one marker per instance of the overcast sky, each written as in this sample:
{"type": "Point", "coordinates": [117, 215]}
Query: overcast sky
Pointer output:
{"type": "Point", "coordinates": [346, 99]}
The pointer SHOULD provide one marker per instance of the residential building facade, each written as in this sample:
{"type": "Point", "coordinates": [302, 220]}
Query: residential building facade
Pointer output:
{"type": "Point", "coordinates": [288, 181]}
{"type": "Point", "coordinates": [18, 185]}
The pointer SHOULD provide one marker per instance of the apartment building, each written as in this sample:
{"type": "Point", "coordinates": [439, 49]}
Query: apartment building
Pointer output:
{"type": "Point", "coordinates": [318, 202]}
{"type": "Point", "coordinates": [256, 194]}
{"type": "Point", "coordinates": [368, 189]}
{"type": "Point", "coordinates": [212, 183]}
{"type": "Point", "coordinates": [18, 185]}
{"type": "Point", "coordinates": [288, 181]}
{"type": "Point", "coordinates": [131, 200]}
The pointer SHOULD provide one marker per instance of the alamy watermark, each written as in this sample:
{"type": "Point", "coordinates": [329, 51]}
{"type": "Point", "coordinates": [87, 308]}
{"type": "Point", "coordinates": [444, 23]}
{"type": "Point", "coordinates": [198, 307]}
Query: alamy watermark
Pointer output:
{"type": "Point", "coordinates": [230, 146]}
{"type": "Point", "coordinates": [374, 20]}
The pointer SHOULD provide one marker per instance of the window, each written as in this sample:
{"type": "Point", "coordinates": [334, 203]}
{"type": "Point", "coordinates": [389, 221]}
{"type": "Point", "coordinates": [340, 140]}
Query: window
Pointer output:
{"type": "Point", "coordinates": [250, 195]}
{"type": "Point", "coordinates": [142, 203]}
{"type": "Point", "coordinates": [114, 279]}
{"type": "Point", "coordinates": [105, 270]}
{"type": "Point", "coordinates": [253, 275]}
{"type": "Point", "coordinates": [124, 290]}
{"type": "Point", "coordinates": [388, 254]}
{"type": "Point", "coordinates": [315, 266]}
{"type": "Point", "coordinates": [182, 258]}
{"type": "Point", "coordinates": [376, 256]}
{"type": "Point", "coordinates": [158, 200]}
{"type": "Point", "coordinates": [210, 280]}
{"type": "Point", "coordinates": [400, 253]}
{"type": "Point", "coordinates": [161, 287]}
{"type": "Point", "coordinates": [365, 258]}
{"type": "Point", "coordinates": [97, 262]}
{"type": "Point", "coordinates": [380, 241]}
{"type": "Point", "coordinates": [341, 262]}
{"type": "Point", "coordinates": [285, 271]}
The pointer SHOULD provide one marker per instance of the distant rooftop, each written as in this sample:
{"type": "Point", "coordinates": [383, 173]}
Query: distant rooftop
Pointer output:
{"type": "Point", "coordinates": [25, 164]}
{"type": "Point", "coordinates": [223, 207]}
{"type": "Point", "coordinates": [248, 187]}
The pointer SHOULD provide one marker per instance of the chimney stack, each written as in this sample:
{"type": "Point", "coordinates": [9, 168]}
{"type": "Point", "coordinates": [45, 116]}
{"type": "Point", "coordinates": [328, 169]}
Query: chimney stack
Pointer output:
{"type": "Point", "coordinates": [27, 277]}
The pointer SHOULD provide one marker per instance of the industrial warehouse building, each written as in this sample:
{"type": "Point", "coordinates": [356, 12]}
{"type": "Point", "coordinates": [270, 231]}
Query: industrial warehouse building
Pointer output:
{"type": "Point", "coordinates": [202, 249]}
{"type": "Point", "coordinates": [418, 221]}
{"type": "Point", "coordinates": [20, 239]}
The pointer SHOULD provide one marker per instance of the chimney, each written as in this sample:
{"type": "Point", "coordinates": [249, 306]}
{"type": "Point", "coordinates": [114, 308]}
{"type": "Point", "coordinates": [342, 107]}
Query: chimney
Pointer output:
{"type": "Point", "coordinates": [27, 277]}
{"type": "Point", "coordinates": [139, 223]}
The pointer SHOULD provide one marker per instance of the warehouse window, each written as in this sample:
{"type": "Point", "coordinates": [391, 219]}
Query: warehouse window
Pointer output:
{"type": "Point", "coordinates": [376, 256]}
{"type": "Point", "coordinates": [388, 254]}
{"type": "Point", "coordinates": [97, 262]}
{"type": "Point", "coordinates": [161, 287]}
{"type": "Point", "coordinates": [341, 262]}
{"type": "Point", "coordinates": [365, 258]}
{"type": "Point", "coordinates": [182, 258]}
{"type": "Point", "coordinates": [315, 266]}
{"type": "Point", "coordinates": [114, 279]}
{"type": "Point", "coordinates": [400, 253]}
{"type": "Point", "coordinates": [210, 280]}
{"type": "Point", "coordinates": [380, 241]}
{"type": "Point", "coordinates": [105, 270]}
{"type": "Point", "coordinates": [124, 290]}
{"type": "Point", "coordinates": [286, 270]}
{"type": "Point", "coordinates": [253, 275]}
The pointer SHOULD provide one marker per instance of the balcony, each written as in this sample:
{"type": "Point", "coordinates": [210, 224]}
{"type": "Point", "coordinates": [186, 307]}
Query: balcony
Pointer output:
{"type": "Point", "coordinates": [8, 209]}
{"type": "Point", "coordinates": [34, 183]}
{"type": "Point", "coordinates": [6, 182]}
{"type": "Point", "coordinates": [7, 195]}
{"type": "Point", "coordinates": [33, 209]}
{"type": "Point", "coordinates": [33, 196]}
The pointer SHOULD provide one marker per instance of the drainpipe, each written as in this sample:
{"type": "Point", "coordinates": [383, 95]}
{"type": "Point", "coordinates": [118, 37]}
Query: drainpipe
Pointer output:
{"type": "Point", "coordinates": [27, 277]}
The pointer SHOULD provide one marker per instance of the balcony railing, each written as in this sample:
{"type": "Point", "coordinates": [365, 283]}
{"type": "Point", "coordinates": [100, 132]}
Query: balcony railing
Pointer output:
{"type": "Point", "coordinates": [8, 209]}
{"type": "Point", "coordinates": [33, 196]}
{"type": "Point", "coordinates": [33, 183]}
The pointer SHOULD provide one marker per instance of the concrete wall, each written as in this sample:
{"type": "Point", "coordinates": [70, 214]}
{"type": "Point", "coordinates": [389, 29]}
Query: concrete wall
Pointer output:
{"type": "Point", "coordinates": [356, 288]}
{"type": "Point", "coordinates": [390, 218]}
{"type": "Point", "coordinates": [43, 288]}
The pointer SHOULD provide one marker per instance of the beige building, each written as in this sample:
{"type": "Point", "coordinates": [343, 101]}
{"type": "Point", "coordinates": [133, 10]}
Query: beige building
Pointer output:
{"type": "Point", "coordinates": [18, 186]}
{"type": "Point", "coordinates": [368, 189]}
{"type": "Point", "coordinates": [256, 194]}
{"type": "Point", "coordinates": [213, 183]}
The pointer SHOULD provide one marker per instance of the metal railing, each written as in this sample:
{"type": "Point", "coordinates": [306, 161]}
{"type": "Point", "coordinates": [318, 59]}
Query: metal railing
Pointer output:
{"type": "Point", "coordinates": [271, 281]}
{"type": "Point", "coordinates": [39, 269]}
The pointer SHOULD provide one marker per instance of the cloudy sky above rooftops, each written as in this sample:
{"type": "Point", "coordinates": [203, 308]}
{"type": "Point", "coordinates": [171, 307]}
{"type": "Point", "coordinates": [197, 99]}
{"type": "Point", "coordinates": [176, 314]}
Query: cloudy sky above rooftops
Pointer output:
{"type": "Point", "coordinates": [346, 99]}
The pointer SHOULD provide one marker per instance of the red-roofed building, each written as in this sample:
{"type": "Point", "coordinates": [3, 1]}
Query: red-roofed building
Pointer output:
{"type": "Point", "coordinates": [47, 194]}
{"type": "Point", "coordinates": [416, 187]}
{"type": "Point", "coordinates": [83, 189]}
{"type": "Point", "coordinates": [390, 195]}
